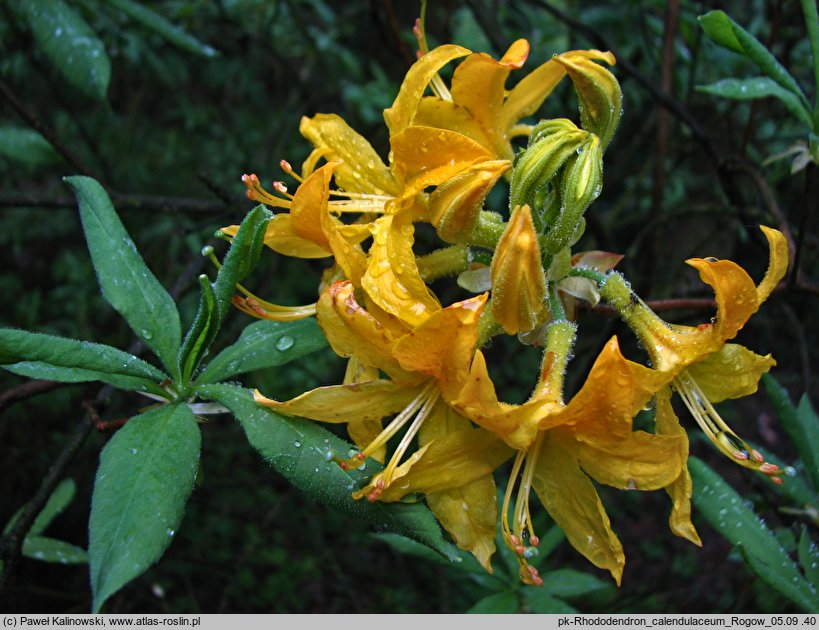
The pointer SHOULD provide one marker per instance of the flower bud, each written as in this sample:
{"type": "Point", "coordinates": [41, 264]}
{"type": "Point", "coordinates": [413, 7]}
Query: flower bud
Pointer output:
{"type": "Point", "coordinates": [456, 204]}
{"type": "Point", "coordinates": [601, 99]}
{"type": "Point", "coordinates": [518, 281]}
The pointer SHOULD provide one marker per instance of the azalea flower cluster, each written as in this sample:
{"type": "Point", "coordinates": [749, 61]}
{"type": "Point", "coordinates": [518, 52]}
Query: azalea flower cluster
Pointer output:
{"type": "Point", "coordinates": [417, 394]}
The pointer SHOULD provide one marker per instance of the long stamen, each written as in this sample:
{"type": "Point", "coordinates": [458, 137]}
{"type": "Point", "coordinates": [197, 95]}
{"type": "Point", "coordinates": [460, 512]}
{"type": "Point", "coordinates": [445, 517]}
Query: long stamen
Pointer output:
{"type": "Point", "coordinates": [257, 193]}
{"type": "Point", "coordinates": [429, 403]}
{"type": "Point", "coordinates": [392, 428]}
{"type": "Point", "coordinates": [719, 432]}
{"type": "Point", "coordinates": [510, 538]}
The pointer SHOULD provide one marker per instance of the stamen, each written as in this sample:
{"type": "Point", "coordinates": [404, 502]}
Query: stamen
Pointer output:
{"type": "Point", "coordinates": [257, 193]}
{"type": "Point", "coordinates": [287, 168]}
{"type": "Point", "coordinates": [718, 431]}
{"type": "Point", "coordinates": [280, 188]}
{"type": "Point", "coordinates": [419, 402]}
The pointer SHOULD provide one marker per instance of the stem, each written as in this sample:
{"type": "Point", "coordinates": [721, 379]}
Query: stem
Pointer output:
{"type": "Point", "coordinates": [443, 262]}
{"type": "Point", "coordinates": [488, 230]}
{"type": "Point", "coordinates": [585, 272]}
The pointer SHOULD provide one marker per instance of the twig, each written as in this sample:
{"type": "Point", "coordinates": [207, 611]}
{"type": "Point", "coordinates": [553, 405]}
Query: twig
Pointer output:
{"type": "Point", "coordinates": [34, 122]}
{"type": "Point", "coordinates": [26, 390]}
{"type": "Point", "coordinates": [149, 203]}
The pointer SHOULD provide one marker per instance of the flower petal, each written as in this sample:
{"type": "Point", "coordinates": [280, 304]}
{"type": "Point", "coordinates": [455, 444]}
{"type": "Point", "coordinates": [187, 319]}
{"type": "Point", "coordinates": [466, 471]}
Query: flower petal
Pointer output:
{"type": "Point", "coordinates": [401, 114]}
{"type": "Point", "coordinates": [355, 402]}
{"type": "Point", "coordinates": [392, 279]}
{"type": "Point", "coordinates": [680, 490]}
{"type": "Point", "coordinates": [282, 238]}
{"type": "Point", "coordinates": [778, 264]}
{"type": "Point", "coordinates": [732, 372]}
{"type": "Point", "coordinates": [435, 154]}
{"type": "Point", "coordinates": [352, 331]}
{"type": "Point", "coordinates": [361, 169]}
{"type": "Point", "coordinates": [572, 501]}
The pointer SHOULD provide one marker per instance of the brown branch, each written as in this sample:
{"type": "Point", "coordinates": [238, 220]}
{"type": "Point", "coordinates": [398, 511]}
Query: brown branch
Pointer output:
{"type": "Point", "coordinates": [150, 203]}
{"type": "Point", "coordinates": [26, 390]}
{"type": "Point", "coordinates": [35, 123]}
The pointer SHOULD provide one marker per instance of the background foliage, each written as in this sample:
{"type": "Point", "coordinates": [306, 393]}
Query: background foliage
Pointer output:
{"type": "Point", "coordinates": [201, 92]}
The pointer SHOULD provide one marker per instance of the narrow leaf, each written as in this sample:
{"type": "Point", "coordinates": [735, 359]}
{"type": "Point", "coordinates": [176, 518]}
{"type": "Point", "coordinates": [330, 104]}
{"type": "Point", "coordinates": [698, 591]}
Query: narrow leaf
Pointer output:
{"type": "Point", "coordinates": [571, 583]}
{"type": "Point", "coordinates": [302, 451]}
{"type": "Point", "coordinates": [728, 34]}
{"type": "Point", "coordinates": [125, 280]}
{"type": "Point", "coordinates": [809, 558]}
{"type": "Point", "coordinates": [541, 603]}
{"type": "Point", "coordinates": [725, 511]}
{"type": "Point", "coordinates": [505, 603]}
{"type": "Point", "coordinates": [240, 260]}
{"type": "Point", "coordinates": [145, 477]}
{"type": "Point", "coordinates": [68, 360]}
{"type": "Point", "coordinates": [59, 500]}
{"type": "Point", "coordinates": [265, 344]}
{"type": "Point", "coordinates": [70, 45]}
{"type": "Point", "coordinates": [457, 558]}
{"type": "Point", "coordinates": [758, 87]}
{"type": "Point", "coordinates": [802, 427]}
{"type": "Point", "coordinates": [169, 31]}
{"type": "Point", "coordinates": [53, 550]}
{"type": "Point", "coordinates": [26, 146]}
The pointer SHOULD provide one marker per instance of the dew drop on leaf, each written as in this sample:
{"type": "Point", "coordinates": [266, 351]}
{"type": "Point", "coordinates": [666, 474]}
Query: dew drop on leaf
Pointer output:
{"type": "Point", "coordinates": [284, 343]}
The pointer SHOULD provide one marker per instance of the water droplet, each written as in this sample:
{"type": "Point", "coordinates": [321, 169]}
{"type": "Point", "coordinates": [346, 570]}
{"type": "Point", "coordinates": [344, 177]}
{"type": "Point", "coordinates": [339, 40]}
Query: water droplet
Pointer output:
{"type": "Point", "coordinates": [170, 532]}
{"type": "Point", "coordinates": [329, 455]}
{"type": "Point", "coordinates": [285, 343]}
{"type": "Point", "coordinates": [147, 334]}
{"type": "Point", "coordinates": [297, 444]}
{"type": "Point", "coordinates": [133, 451]}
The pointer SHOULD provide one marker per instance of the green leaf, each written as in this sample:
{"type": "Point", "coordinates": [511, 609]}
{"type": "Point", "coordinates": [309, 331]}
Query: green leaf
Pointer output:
{"type": "Point", "coordinates": [71, 361]}
{"type": "Point", "coordinates": [53, 550]}
{"type": "Point", "coordinates": [26, 146]}
{"type": "Point", "coordinates": [169, 31]}
{"type": "Point", "coordinates": [728, 34]}
{"type": "Point", "coordinates": [59, 500]}
{"type": "Point", "coordinates": [541, 603]}
{"type": "Point", "coordinates": [302, 451]}
{"type": "Point", "coordinates": [809, 557]}
{"type": "Point", "coordinates": [125, 280]}
{"type": "Point", "coordinates": [70, 45]}
{"type": "Point", "coordinates": [242, 256]}
{"type": "Point", "coordinates": [505, 603]}
{"type": "Point", "coordinates": [265, 344]}
{"type": "Point", "coordinates": [759, 87]}
{"type": "Point", "coordinates": [145, 477]}
{"type": "Point", "coordinates": [725, 511]}
{"type": "Point", "coordinates": [802, 425]}
{"type": "Point", "coordinates": [570, 583]}
{"type": "Point", "coordinates": [454, 557]}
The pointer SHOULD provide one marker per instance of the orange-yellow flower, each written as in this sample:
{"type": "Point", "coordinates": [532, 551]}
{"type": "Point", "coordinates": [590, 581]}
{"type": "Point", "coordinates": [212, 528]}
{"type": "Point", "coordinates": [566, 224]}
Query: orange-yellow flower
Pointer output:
{"type": "Point", "coordinates": [424, 365]}
{"type": "Point", "coordinates": [699, 364]}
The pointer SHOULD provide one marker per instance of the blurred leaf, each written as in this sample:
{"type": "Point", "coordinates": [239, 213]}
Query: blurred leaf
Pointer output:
{"type": "Point", "coordinates": [728, 34]}
{"type": "Point", "coordinates": [540, 602]}
{"type": "Point", "coordinates": [53, 550]}
{"type": "Point", "coordinates": [244, 252]}
{"type": "Point", "coordinates": [72, 361]}
{"type": "Point", "coordinates": [27, 147]}
{"type": "Point", "coordinates": [157, 23]}
{"type": "Point", "coordinates": [549, 542]}
{"type": "Point", "coordinates": [70, 45]}
{"type": "Point", "coordinates": [725, 511]}
{"type": "Point", "coordinates": [505, 603]}
{"type": "Point", "coordinates": [809, 557]}
{"type": "Point", "coordinates": [802, 425]}
{"type": "Point", "coordinates": [759, 87]}
{"type": "Point", "coordinates": [264, 344]}
{"type": "Point", "coordinates": [302, 451]}
{"type": "Point", "coordinates": [126, 282]}
{"type": "Point", "coordinates": [145, 477]}
{"type": "Point", "coordinates": [59, 500]}
{"type": "Point", "coordinates": [570, 583]}
{"type": "Point", "coordinates": [456, 558]}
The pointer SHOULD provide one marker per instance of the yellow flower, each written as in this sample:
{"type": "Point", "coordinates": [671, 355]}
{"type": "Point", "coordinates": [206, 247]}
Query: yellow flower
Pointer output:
{"type": "Point", "coordinates": [699, 364]}
{"type": "Point", "coordinates": [424, 365]}
{"type": "Point", "coordinates": [479, 106]}
{"type": "Point", "coordinates": [559, 450]}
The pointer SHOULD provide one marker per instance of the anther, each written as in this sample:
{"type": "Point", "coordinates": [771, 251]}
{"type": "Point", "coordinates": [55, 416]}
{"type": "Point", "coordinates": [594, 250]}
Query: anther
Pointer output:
{"type": "Point", "coordinates": [757, 456]}
{"type": "Point", "coordinates": [285, 166]}
{"type": "Point", "coordinates": [534, 541]}
{"type": "Point", "coordinates": [768, 468]}
{"type": "Point", "coordinates": [514, 540]}
{"type": "Point", "coordinates": [520, 549]}
{"type": "Point", "coordinates": [280, 187]}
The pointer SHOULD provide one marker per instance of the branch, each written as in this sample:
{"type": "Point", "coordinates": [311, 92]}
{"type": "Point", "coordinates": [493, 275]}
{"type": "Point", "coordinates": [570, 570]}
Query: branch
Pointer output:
{"type": "Point", "coordinates": [26, 390]}
{"type": "Point", "coordinates": [150, 203]}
